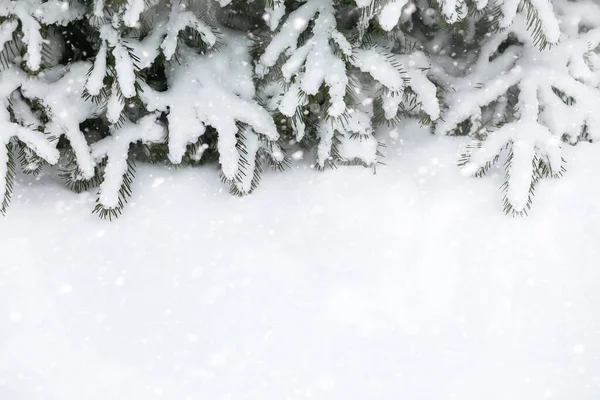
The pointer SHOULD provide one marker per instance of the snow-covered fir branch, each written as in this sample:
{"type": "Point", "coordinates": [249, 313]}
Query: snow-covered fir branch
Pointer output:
{"type": "Point", "coordinates": [96, 85]}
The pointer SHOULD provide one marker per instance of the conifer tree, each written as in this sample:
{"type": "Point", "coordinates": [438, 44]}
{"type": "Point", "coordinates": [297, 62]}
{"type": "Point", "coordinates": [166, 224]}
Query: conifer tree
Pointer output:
{"type": "Point", "coordinates": [94, 86]}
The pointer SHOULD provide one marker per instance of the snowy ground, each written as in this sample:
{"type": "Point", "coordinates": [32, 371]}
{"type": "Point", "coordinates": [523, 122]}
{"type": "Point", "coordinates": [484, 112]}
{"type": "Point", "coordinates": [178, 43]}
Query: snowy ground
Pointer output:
{"type": "Point", "coordinates": [408, 284]}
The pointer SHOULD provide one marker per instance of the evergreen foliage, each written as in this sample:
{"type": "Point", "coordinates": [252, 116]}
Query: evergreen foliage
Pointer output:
{"type": "Point", "coordinates": [91, 86]}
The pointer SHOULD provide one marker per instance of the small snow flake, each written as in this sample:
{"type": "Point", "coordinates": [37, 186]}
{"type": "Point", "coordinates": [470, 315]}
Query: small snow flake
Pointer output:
{"type": "Point", "coordinates": [300, 24]}
{"type": "Point", "coordinates": [65, 288]}
{"type": "Point", "coordinates": [218, 359]}
{"type": "Point", "coordinates": [548, 393]}
{"type": "Point", "coordinates": [158, 390]}
{"type": "Point", "coordinates": [579, 349]}
{"type": "Point", "coordinates": [192, 338]}
{"type": "Point", "coordinates": [158, 182]}
{"type": "Point", "coordinates": [15, 316]}
{"type": "Point", "coordinates": [326, 382]}
{"type": "Point", "coordinates": [367, 101]}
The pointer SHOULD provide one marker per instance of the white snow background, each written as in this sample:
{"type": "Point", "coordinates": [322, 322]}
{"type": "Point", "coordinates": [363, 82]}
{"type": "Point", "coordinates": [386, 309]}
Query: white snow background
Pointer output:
{"type": "Point", "coordinates": [408, 284]}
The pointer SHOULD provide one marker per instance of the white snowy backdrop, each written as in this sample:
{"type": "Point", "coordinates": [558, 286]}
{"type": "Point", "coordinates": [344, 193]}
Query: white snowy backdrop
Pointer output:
{"type": "Point", "coordinates": [407, 284]}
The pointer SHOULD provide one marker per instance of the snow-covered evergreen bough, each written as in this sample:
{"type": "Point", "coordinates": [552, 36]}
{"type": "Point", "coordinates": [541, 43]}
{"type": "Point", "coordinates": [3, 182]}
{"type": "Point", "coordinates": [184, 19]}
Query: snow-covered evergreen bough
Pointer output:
{"type": "Point", "coordinates": [93, 86]}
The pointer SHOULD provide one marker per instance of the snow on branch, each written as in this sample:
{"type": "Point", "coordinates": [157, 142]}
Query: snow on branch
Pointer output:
{"type": "Point", "coordinates": [397, 72]}
{"type": "Point", "coordinates": [60, 92]}
{"type": "Point", "coordinates": [179, 19]}
{"type": "Point", "coordinates": [555, 95]}
{"type": "Point", "coordinates": [34, 140]}
{"type": "Point", "coordinates": [115, 60]}
{"type": "Point", "coordinates": [169, 26]}
{"type": "Point", "coordinates": [213, 90]}
{"type": "Point", "coordinates": [312, 58]}
{"type": "Point", "coordinates": [115, 186]}
{"type": "Point", "coordinates": [314, 63]}
{"type": "Point", "coordinates": [274, 12]}
{"type": "Point", "coordinates": [31, 14]}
